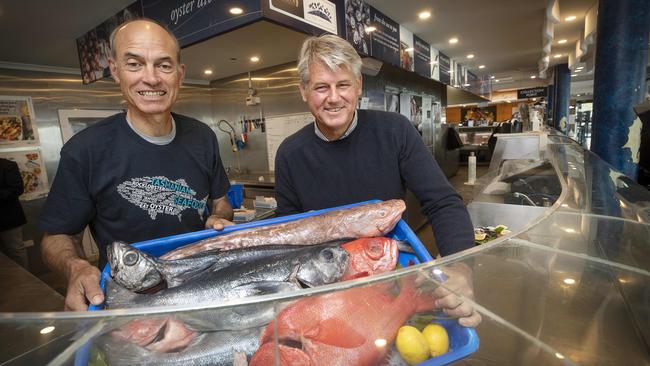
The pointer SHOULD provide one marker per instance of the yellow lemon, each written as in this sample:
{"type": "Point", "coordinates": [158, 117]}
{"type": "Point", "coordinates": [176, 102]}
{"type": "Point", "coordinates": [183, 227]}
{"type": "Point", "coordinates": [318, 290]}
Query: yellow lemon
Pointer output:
{"type": "Point", "coordinates": [411, 345]}
{"type": "Point", "coordinates": [437, 338]}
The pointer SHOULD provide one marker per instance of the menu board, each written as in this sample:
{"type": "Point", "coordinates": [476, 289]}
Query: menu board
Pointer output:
{"type": "Point", "coordinates": [17, 122]}
{"type": "Point", "coordinates": [444, 66]}
{"type": "Point", "coordinates": [279, 128]}
{"type": "Point", "coordinates": [32, 171]}
{"type": "Point", "coordinates": [422, 58]}
{"type": "Point", "coordinates": [531, 92]}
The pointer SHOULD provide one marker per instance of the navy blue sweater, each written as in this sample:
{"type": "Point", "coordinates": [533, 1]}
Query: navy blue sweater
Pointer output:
{"type": "Point", "coordinates": [382, 157]}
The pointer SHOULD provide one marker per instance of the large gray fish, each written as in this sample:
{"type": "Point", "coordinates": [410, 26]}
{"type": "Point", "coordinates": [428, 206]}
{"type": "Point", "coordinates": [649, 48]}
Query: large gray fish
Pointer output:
{"type": "Point", "coordinates": [138, 271]}
{"type": "Point", "coordinates": [363, 221]}
{"type": "Point", "coordinates": [310, 266]}
{"type": "Point", "coordinates": [212, 348]}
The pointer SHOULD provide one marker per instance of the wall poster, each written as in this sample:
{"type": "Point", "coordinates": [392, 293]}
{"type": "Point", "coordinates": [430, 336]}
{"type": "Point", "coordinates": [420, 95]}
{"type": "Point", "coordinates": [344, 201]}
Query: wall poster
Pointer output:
{"type": "Point", "coordinates": [422, 57]}
{"type": "Point", "coordinates": [317, 13]}
{"type": "Point", "coordinates": [357, 19]}
{"type": "Point", "coordinates": [17, 122]}
{"type": "Point", "coordinates": [479, 114]}
{"type": "Point", "coordinates": [406, 49]}
{"type": "Point", "coordinates": [392, 99]}
{"type": "Point", "coordinates": [384, 41]}
{"type": "Point", "coordinates": [435, 64]}
{"type": "Point", "coordinates": [94, 49]}
{"type": "Point", "coordinates": [444, 65]}
{"type": "Point", "coordinates": [32, 170]}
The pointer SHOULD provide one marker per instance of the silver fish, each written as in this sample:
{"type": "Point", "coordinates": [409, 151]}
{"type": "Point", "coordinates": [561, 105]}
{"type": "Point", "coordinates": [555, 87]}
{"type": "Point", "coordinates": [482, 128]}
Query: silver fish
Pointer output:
{"type": "Point", "coordinates": [212, 348]}
{"type": "Point", "coordinates": [363, 221]}
{"type": "Point", "coordinates": [138, 271]}
{"type": "Point", "coordinates": [310, 266]}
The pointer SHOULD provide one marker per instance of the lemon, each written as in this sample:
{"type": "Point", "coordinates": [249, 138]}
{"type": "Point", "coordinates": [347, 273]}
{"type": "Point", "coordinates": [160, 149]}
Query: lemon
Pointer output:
{"type": "Point", "coordinates": [411, 345]}
{"type": "Point", "coordinates": [437, 338]}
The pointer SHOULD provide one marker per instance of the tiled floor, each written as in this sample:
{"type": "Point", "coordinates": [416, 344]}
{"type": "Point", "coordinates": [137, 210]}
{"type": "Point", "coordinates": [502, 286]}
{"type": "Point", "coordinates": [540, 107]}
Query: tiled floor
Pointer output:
{"type": "Point", "coordinates": [466, 191]}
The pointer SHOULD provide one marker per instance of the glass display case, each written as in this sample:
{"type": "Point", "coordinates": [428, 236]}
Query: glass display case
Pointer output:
{"type": "Point", "coordinates": [569, 285]}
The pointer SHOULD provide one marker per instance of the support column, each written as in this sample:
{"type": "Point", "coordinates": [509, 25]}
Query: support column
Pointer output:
{"type": "Point", "coordinates": [619, 81]}
{"type": "Point", "coordinates": [562, 89]}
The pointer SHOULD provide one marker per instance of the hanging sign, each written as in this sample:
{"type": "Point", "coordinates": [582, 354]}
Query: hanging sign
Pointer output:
{"type": "Point", "coordinates": [537, 92]}
{"type": "Point", "coordinates": [422, 59]}
{"type": "Point", "coordinates": [444, 65]}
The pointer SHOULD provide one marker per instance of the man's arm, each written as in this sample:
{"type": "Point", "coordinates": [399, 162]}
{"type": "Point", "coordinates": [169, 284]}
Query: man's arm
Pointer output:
{"type": "Point", "coordinates": [60, 254]}
{"type": "Point", "coordinates": [221, 214]}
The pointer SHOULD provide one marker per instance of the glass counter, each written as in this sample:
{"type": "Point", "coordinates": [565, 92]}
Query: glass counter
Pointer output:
{"type": "Point", "coordinates": [569, 286]}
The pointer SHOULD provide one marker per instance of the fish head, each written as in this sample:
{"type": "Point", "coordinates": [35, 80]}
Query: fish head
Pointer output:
{"type": "Point", "coordinates": [383, 216]}
{"type": "Point", "coordinates": [368, 256]}
{"type": "Point", "coordinates": [322, 266]}
{"type": "Point", "coordinates": [132, 268]}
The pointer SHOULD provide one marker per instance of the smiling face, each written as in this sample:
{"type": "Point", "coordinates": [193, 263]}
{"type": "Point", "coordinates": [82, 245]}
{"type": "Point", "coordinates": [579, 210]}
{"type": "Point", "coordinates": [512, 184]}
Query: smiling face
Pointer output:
{"type": "Point", "coordinates": [147, 69]}
{"type": "Point", "coordinates": [332, 98]}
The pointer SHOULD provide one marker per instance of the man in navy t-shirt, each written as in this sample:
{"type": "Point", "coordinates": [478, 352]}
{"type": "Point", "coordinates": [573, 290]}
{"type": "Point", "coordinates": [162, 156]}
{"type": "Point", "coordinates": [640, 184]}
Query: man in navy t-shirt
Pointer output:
{"type": "Point", "coordinates": [139, 175]}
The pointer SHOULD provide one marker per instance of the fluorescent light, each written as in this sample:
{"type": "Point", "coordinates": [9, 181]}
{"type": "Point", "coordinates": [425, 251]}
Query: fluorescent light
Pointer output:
{"type": "Point", "coordinates": [410, 49]}
{"type": "Point", "coordinates": [570, 18]}
{"type": "Point", "coordinates": [466, 84]}
{"type": "Point", "coordinates": [47, 330]}
{"type": "Point", "coordinates": [561, 41]}
{"type": "Point", "coordinates": [580, 67]}
{"type": "Point", "coordinates": [481, 66]}
{"type": "Point", "coordinates": [569, 281]}
{"type": "Point", "coordinates": [569, 230]}
{"type": "Point", "coordinates": [559, 355]}
{"type": "Point", "coordinates": [207, 72]}
{"type": "Point", "coordinates": [577, 71]}
{"type": "Point", "coordinates": [370, 29]}
{"type": "Point", "coordinates": [533, 76]}
{"type": "Point", "coordinates": [255, 59]}
{"type": "Point", "coordinates": [492, 77]}
{"type": "Point", "coordinates": [236, 11]}
{"type": "Point", "coordinates": [577, 95]}
{"type": "Point", "coordinates": [558, 55]}
{"type": "Point", "coordinates": [471, 55]}
{"type": "Point", "coordinates": [453, 40]}
{"type": "Point", "coordinates": [573, 75]}
{"type": "Point", "coordinates": [496, 81]}
{"type": "Point", "coordinates": [424, 15]}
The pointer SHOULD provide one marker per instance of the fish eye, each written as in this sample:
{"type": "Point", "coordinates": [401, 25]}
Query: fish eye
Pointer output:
{"type": "Point", "coordinates": [130, 258]}
{"type": "Point", "coordinates": [327, 254]}
{"type": "Point", "coordinates": [375, 250]}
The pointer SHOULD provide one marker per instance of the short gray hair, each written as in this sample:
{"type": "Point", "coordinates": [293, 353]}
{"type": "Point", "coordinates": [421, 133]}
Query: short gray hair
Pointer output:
{"type": "Point", "coordinates": [119, 27]}
{"type": "Point", "coordinates": [329, 50]}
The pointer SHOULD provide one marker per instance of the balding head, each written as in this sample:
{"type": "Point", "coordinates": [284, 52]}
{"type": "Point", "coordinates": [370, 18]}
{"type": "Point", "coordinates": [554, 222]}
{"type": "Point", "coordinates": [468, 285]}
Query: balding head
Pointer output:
{"type": "Point", "coordinates": [142, 24]}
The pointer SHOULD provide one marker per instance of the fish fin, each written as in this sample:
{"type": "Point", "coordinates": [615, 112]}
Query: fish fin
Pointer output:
{"type": "Point", "coordinates": [337, 333]}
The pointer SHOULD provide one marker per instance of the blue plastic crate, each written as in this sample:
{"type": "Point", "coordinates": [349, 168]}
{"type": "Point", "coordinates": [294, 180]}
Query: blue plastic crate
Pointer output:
{"type": "Point", "coordinates": [236, 195]}
{"type": "Point", "coordinates": [463, 341]}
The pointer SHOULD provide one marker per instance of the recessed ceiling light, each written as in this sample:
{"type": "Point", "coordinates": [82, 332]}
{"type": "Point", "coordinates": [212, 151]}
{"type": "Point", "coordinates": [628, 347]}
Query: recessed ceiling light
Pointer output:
{"type": "Point", "coordinates": [466, 84]}
{"type": "Point", "coordinates": [471, 55]}
{"type": "Point", "coordinates": [570, 18]}
{"type": "Point", "coordinates": [533, 76]}
{"type": "Point", "coordinates": [424, 15]}
{"type": "Point", "coordinates": [370, 29]}
{"type": "Point", "coordinates": [492, 77]}
{"type": "Point", "coordinates": [559, 355]}
{"type": "Point", "coordinates": [236, 11]}
{"type": "Point", "coordinates": [577, 71]}
{"type": "Point", "coordinates": [558, 55]}
{"type": "Point", "coordinates": [573, 75]}
{"type": "Point", "coordinates": [255, 59]}
{"type": "Point", "coordinates": [453, 40]}
{"type": "Point", "coordinates": [580, 67]}
{"type": "Point", "coordinates": [496, 81]}
{"type": "Point", "coordinates": [561, 41]}
{"type": "Point", "coordinates": [481, 66]}
{"type": "Point", "coordinates": [410, 49]}
{"type": "Point", "coordinates": [207, 72]}
{"type": "Point", "coordinates": [577, 95]}
{"type": "Point", "coordinates": [47, 330]}
{"type": "Point", "coordinates": [569, 281]}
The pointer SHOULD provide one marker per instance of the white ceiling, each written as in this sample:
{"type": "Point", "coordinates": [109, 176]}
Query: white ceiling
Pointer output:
{"type": "Point", "coordinates": [505, 35]}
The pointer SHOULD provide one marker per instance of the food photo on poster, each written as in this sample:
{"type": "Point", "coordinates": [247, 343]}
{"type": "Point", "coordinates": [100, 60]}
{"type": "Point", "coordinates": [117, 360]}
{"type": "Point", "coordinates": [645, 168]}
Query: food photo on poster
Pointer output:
{"type": "Point", "coordinates": [32, 171]}
{"type": "Point", "coordinates": [17, 122]}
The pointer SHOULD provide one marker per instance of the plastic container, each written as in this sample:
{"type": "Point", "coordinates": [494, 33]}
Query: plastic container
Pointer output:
{"type": "Point", "coordinates": [236, 195]}
{"type": "Point", "coordinates": [463, 341]}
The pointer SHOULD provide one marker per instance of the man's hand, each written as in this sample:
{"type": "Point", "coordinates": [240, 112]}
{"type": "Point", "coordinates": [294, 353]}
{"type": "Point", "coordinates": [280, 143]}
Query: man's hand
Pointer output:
{"type": "Point", "coordinates": [83, 286]}
{"type": "Point", "coordinates": [217, 223]}
{"type": "Point", "coordinates": [459, 281]}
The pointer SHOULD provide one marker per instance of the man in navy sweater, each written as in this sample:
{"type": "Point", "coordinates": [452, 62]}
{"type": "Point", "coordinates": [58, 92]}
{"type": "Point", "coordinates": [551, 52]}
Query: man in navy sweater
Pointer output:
{"type": "Point", "coordinates": [351, 155]}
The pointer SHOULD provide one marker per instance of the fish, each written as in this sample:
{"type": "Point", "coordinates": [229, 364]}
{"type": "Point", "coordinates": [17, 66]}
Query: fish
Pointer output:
{"type": "Point", "coordinates": [368, 256]}
{"type": "Point", "coordinates": [210, 348]}
{"type": "Point", "coordinates": [340, 328]}
{"type": "Point", "coordinates": [138, 271]}
{"type": "Point", "coordinates": [362, 221]}
{"type": "Point", "coordinates": [310, 266]}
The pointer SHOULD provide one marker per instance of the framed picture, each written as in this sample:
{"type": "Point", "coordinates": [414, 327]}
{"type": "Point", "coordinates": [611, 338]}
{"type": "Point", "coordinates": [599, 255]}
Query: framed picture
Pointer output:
{"type": "Point", "coordinates": [17, 122]}
{"type": "Point", "coordinates": [75, 120]}
{"type": "Point", "coordinates": [32, 171]}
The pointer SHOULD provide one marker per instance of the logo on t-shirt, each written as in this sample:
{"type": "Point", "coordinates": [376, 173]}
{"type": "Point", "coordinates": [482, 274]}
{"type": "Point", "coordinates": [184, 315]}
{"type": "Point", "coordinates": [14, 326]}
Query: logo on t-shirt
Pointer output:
{"type": "Point", "coordinates": [159, 195]}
